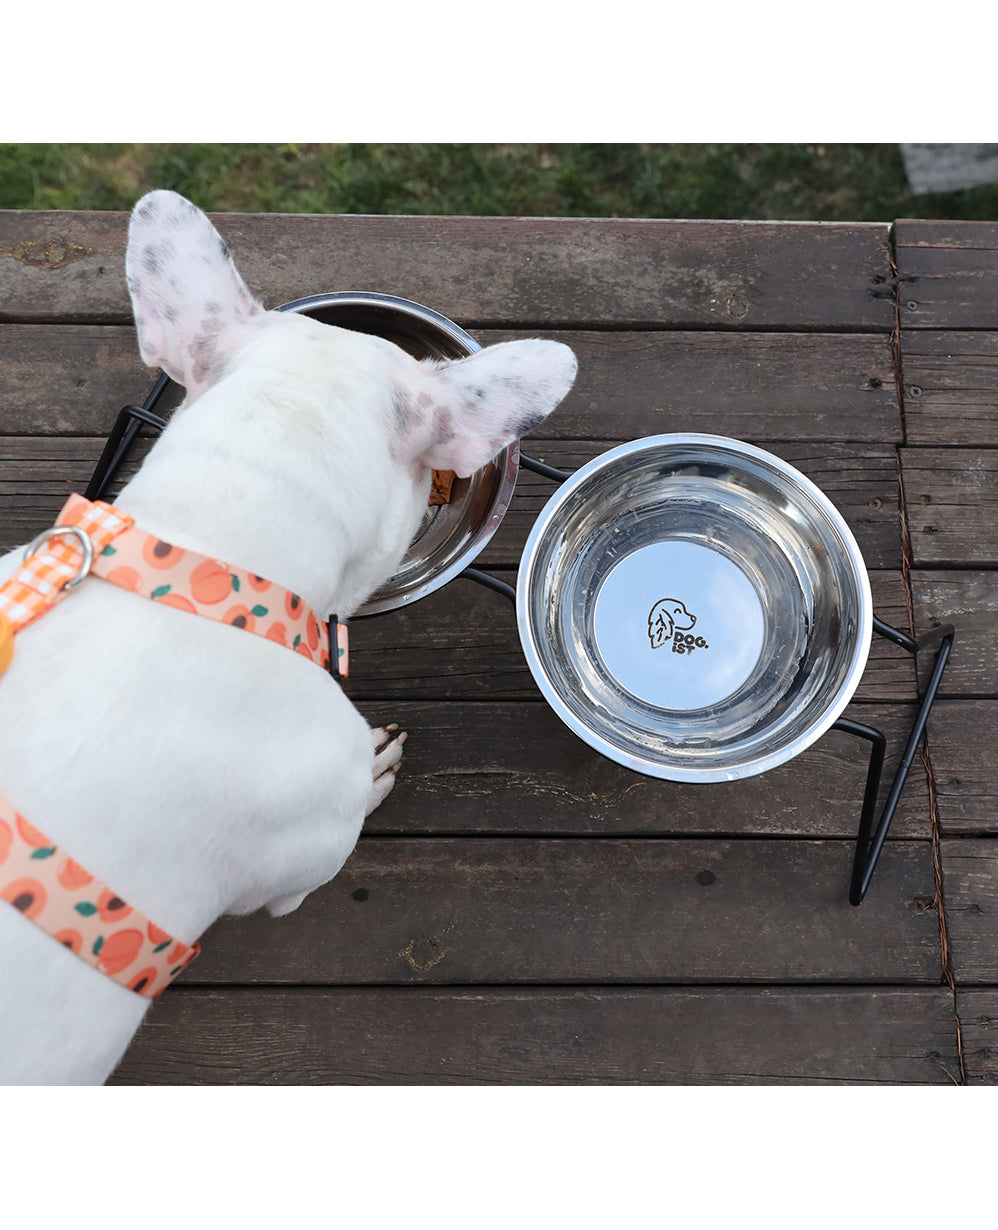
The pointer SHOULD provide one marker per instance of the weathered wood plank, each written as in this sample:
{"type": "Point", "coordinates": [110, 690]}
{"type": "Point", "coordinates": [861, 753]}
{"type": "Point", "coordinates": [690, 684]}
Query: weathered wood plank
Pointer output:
{"type": "Point", "coordinates": [573, 271]}
{"type": "Point", "coordinates": [792, 386]}
{"type": "Point", "coordinates": [969, 601]}
{"type": "Point", "coordinates": [962, 737]}
{"type": "Point", "coordinates": [37, 472]}
{"type": "Point", "coordinates": [978, 1013]}
{"type": "Point", "coordinates": [951, 498]}
{"type": "Point", "coordinates": [946, 233]}
{"type": "Point", "coordinates": [71, 379]}
{"type": "Point", "coordinates": [461, 643]}
{"type": "Point", "coordinates": [948, 273]}
{"type": "Point", "coordinates": [758, 386]}
{"type": "Point", "coordinates": [970, 885]}
{"type": "Point", "coordinates": [514, 768]}
{"type": "Point", "coordinates": [645, 1036]}
{"type": "Point", "coordinates": [950, 386]}
{"type": "Point", "coordinates": [645, 910]}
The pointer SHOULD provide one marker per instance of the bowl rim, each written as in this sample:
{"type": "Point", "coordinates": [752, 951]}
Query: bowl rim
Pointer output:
{"type": "Point", "coordinates": [365, 298]}
{"type": "Point", "coordinates": [647, 765]}
{"type": "Point", "coordinates": [509, 468]}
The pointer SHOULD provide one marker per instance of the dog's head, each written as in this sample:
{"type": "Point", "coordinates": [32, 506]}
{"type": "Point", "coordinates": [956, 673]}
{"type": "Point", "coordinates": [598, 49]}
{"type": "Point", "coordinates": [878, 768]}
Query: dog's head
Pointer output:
{"type": "Point", "coordinates": [382, 416]}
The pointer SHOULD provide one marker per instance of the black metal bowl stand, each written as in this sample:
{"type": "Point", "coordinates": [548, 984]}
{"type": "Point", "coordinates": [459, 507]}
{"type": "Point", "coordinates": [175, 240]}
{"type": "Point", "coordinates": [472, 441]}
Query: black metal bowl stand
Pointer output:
{"type": "Point", "coordinates": [872, 830]}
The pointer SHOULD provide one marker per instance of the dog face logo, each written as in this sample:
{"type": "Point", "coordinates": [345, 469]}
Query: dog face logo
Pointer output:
{"type": "Point", "coordinates": [667, 616]}
{"type": "Point", "coordinates": [670, 621]}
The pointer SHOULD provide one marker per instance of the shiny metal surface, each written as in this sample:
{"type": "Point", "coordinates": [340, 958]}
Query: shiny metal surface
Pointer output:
{"type": "Point", "coordinates": [694, 608]}
{"type": "Point", "coordinates": [61, 531]}
{"type": "Point", "coordinates": [451, 535]}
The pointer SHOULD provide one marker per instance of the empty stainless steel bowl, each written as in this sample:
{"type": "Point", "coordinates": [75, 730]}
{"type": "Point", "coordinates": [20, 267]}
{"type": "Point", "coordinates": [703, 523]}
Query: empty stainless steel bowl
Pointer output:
{"type": "Point", "coordinates": [694, 608]}
{"type": "Point", "coordinates": [451, 535]}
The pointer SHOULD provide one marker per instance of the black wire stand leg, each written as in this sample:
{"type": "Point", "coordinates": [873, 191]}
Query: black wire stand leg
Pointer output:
{"type": "Point", "coordinates": [870, 840]}
{"type": "Point", "coordinates": [483, 578]}
{"type": "Point", "coordinates": [493, 583]}
{"type": "Point", "coordinates": [127, 426]}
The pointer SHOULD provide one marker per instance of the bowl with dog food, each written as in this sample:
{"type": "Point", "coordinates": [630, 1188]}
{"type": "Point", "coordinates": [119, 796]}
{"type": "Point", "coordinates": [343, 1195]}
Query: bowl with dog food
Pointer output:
{"type": "Point", "coordinates": [694, 608]}
{"type": "Point", "coordinates": [463, 513]}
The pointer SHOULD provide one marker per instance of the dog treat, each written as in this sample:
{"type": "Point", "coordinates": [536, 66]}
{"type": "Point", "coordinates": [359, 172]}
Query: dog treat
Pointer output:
{"type": "Point", "coordinates": [440, 492]}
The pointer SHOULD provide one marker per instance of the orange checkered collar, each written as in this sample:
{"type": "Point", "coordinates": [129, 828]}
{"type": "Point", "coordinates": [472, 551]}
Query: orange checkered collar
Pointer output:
{"type": "Point", "coordinates": [36, 877]}
{"type": "Point", "coordinates": [93, 537]}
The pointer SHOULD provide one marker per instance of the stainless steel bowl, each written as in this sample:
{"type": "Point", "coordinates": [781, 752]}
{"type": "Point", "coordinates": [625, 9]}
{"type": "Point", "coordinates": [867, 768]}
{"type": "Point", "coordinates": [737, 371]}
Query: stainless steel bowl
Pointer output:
{"type": "Point", "coordinates": [451, 535]}
{"type": "Point", "coordinates": [694, 608]}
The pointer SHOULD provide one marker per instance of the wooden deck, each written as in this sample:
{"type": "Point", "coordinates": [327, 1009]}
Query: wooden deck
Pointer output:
{"type": "Point", "coordinates": [522, 910]}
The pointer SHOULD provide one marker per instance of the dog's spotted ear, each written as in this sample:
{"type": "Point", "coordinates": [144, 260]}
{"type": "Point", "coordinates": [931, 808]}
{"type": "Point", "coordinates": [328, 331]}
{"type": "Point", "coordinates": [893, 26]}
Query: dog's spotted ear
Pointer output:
{"type": "Point", "coordinates": [192, 309]}
{"type": "Point", "coordinates": [457, 415]}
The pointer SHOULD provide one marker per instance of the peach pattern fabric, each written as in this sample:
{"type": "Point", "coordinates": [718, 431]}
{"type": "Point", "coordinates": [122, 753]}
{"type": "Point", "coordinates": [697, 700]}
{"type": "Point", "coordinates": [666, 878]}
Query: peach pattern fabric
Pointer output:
{"type": "Point", "coordinates": [85, 916]}
{"type": "Point", "coordinates": [36, 877]}
{"type": "Point", "coordinates": [147, 565]}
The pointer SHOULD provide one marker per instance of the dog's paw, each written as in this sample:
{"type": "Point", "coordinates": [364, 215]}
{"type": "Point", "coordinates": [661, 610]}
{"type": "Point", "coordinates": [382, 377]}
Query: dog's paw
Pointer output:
{"type": "Point", "coordinates": [387, 757]}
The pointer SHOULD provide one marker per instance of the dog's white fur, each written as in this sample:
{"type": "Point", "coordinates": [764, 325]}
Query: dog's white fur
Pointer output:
{"type": "Point", "coordinates": [197, 770]}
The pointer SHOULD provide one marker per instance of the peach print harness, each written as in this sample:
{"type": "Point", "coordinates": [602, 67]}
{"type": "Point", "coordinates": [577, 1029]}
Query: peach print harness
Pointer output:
{"type": "Point", "coordinates": [36, 877]}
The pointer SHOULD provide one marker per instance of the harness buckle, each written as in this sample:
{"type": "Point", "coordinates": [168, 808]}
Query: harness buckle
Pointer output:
{"type": "Point", "coordinates": [59, 531]}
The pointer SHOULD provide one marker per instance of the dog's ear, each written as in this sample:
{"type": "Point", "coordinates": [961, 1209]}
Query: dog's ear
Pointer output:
{"type": "Point", "coordinates": [458, 414]}
{"type": "Point", "coordinates": [192, 309]}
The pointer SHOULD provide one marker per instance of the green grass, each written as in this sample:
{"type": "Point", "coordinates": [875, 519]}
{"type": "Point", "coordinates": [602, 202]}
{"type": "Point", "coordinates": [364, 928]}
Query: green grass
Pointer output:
{"type": "Point", "coordinates": [784, 182]}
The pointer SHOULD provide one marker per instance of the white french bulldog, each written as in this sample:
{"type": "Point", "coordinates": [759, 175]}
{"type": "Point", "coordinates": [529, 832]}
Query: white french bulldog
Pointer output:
{"type": "Point", "coordinates": [198, 770]}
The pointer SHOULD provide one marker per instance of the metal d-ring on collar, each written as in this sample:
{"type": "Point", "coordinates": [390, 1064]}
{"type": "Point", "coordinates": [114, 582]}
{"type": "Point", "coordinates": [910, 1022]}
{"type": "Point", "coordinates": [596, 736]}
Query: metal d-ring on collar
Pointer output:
{"type": "Point", "coordinates": [59, 531]}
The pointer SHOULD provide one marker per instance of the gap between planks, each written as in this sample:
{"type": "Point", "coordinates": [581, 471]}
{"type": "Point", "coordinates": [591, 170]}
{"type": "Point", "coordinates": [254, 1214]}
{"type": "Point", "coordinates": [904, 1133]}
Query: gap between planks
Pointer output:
{"type": "Point", "coordinates": [897, 353]}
